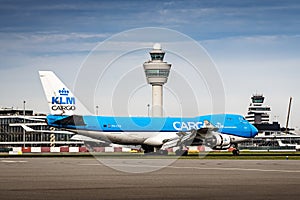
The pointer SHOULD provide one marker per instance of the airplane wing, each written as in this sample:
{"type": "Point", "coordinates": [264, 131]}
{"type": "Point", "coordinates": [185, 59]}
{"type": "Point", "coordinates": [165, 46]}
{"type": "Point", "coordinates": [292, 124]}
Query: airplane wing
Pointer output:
{"type": "Point", "coordinates": [187, 138]}
{"type": "Point", "coordinates": [32, 118]}
{"type": "Point", "coordinates": [181, 139]}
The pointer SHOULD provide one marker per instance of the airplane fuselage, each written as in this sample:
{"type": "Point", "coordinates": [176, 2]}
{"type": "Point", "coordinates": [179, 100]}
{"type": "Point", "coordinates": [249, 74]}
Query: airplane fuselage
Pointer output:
{"type": "Point", "coordinates": [137, 130]}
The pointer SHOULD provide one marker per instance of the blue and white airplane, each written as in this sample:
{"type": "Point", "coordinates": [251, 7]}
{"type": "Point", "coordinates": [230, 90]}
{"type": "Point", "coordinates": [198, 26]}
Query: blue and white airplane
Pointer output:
{"type": "Point", "coordinates": [217, 131]}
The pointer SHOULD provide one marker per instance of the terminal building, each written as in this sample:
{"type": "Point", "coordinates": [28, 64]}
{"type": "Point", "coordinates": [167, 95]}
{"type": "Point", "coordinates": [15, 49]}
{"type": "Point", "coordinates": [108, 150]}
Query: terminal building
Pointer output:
{"type": "Point", "coordinates": [270, 135]}
{"type": "Point", "coordinates": [13, 133]}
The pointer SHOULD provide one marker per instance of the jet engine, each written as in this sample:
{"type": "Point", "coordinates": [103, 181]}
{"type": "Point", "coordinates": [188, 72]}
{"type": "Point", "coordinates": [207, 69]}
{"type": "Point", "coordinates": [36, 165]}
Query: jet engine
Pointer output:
{"type": "Point", "coordinates": [218, 141]}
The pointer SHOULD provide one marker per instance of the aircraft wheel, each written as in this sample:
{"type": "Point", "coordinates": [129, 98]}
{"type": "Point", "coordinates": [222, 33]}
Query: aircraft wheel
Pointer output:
{"type": "Point", "coordinates": [148, 149]}
{"type": "Point", "coordinates": [185, 153]}
{"type": "Point", "coordinates": [236, 152]}
{"type": "Point", "coordinates": [163, 152]}
{"type": "Point", "coordinates": [179, 152]}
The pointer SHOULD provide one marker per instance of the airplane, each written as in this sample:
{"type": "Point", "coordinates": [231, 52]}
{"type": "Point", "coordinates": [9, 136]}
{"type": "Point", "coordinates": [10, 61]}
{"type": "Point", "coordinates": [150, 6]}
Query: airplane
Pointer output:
{"type": "Point", "coordinates": [154, 134]}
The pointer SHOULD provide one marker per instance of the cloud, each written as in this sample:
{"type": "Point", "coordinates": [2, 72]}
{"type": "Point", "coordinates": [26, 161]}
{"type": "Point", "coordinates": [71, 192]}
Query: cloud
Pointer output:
{"type": "Point", "coordinates": [60, 37]}
{"type": "Point", "coordinates": [267, 64]}
{"type": "Point", "coordinates": [20, 45]}
{"type": "Point", "coordinates": [253, 43]}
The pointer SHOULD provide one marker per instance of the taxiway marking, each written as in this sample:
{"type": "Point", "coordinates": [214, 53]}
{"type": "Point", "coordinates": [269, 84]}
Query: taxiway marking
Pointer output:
{"type": "Point", "coordinates": [199, 168]}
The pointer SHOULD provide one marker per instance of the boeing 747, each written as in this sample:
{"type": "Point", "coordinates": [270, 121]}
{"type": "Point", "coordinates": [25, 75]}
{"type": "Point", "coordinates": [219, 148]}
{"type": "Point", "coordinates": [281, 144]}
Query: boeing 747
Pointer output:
{"type": "Point", "coordinates": [217, 131]}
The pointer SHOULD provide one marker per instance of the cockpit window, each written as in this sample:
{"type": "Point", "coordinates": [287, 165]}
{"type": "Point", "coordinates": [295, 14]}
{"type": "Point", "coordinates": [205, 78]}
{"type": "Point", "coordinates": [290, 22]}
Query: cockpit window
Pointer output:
{"type": "Point", "coordinates": [242, 119]}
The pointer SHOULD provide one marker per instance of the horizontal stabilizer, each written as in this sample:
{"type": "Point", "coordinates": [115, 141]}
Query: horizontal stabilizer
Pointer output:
{"type": "Point", "coordinates": [73, 120]}
{"type": "Point", "coordinates": [31, 130]}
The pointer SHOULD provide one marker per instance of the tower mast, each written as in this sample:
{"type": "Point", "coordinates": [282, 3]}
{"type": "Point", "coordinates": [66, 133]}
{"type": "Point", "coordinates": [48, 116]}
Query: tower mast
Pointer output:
{"type": "Point", "coordinates": [157, 72]}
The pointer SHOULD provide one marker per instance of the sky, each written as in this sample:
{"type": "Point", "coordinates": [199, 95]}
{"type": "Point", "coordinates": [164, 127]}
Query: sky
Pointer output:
{"type": "Point", "coordinates": [252, 45]}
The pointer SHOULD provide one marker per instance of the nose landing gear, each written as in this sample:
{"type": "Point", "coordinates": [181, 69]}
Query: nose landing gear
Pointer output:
{"type": "Point", "coordinates": [235, 151]}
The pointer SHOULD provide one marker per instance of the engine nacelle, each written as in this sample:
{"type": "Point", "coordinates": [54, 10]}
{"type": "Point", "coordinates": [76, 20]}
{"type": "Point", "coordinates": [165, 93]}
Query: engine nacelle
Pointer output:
{"type": "Point", "coordinates": [218, 141]}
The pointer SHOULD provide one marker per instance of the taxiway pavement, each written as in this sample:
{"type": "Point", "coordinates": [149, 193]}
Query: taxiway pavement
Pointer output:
{"type": "Point", "coordinates": [88, 178]}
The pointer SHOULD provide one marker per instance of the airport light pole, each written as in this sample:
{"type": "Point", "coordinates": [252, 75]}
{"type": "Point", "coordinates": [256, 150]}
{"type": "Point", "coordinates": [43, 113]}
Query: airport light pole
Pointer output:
{"type": "Point", "coordinates": [97, 107]}
{"type": "Point", "coordinates": [24, 139]}
{"type": "Point", "coordinates": [148, 109]}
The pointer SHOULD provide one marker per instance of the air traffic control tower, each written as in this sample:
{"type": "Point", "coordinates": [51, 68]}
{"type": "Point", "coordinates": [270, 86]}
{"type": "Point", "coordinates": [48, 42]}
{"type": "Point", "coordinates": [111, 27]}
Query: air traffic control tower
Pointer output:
{"type": "Point", "coordinates": [157, 72]}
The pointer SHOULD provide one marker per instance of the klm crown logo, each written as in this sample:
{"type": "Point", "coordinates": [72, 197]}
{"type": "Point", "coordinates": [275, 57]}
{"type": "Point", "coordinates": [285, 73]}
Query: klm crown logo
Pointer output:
{"type": "Point", "coordinates": [63, 97]}
{"type": "Point", "coordinates": [63, 92]}
{"type": "Point", "coordinates": [63, 101]}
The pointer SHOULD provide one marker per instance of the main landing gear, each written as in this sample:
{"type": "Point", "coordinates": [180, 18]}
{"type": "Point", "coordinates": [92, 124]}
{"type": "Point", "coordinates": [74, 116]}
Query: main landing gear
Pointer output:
{"type": "Point", "coordinates": [150, 150]}
{"type": "Point", "coordinates": [181, 151]}
{"type": "Point", "coordinates": [162, 152]}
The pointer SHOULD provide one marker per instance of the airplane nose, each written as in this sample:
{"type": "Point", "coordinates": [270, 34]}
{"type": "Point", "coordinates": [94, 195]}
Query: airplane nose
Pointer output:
{"type": "Point", "coordinates": [254, 130]}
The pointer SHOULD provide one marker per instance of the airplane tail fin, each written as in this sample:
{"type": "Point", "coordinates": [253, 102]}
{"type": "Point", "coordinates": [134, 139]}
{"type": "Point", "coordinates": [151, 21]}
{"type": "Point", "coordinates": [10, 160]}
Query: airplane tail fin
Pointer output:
{"type": "Point", "coordinates": [60, 99]}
